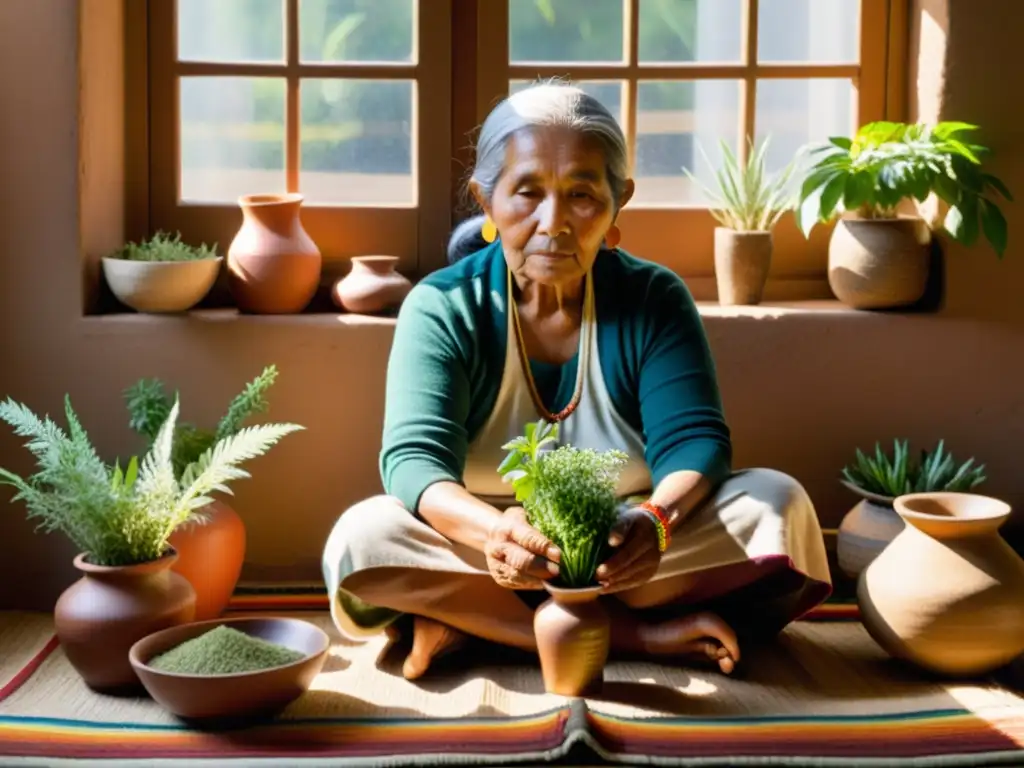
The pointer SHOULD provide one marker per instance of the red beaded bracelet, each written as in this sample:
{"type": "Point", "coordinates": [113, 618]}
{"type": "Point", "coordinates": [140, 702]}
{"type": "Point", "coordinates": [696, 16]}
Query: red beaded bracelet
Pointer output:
{"type": "Point", "coordinates": [660, 517]}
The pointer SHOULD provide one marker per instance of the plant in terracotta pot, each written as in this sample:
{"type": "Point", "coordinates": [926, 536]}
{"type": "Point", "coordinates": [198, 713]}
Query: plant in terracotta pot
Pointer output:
{"type": "Point", "coordinates": [162, 274]}
{"type": "Point", "coordinates": [210, 547]}
{"type": "Point", "coordinates": [569, 496]}
{"type": "Point", "coordinates": [121, 521]}
{"type": "Point", "coordinates": [878, 256]}
{"type": "Point", "coordinates": [748, 203]}
{"type": "Point", "coordinates": [878, 479]}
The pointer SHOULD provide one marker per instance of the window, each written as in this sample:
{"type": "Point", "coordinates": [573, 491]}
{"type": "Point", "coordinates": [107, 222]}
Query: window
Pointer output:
{"type": "Point", "coordinates": [360, 105]}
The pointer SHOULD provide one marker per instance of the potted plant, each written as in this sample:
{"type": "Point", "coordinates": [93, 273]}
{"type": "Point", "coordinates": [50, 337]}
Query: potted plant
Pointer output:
{"type": "Point", "coordinates": [872, 524]}
{"type": "Point", "coordinates": [121, 521]}
{"type": "Point", "coordinates": [211, 548]}
{"type": "Point", "coordinates": [161, 274]}
{"type": "Point", "coordinates": [748, 204]}
{"type": "Point", "coordinates": [569, 496]}
{"type": "Point", "coordinates": [879, 257]}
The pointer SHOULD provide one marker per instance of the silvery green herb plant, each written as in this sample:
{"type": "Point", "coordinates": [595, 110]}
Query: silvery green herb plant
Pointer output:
{"type": "Point", "coordinates": [569, 496]}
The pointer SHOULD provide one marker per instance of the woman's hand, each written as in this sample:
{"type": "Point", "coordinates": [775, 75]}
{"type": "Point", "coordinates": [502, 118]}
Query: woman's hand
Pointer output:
{"type": "Point", "coordinates": [518, 555]}
{"type": "Point", "coordinates": [637, 559]}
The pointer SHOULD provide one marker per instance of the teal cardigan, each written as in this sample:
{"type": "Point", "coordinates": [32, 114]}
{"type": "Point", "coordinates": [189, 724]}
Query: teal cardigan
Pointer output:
{"type": "Point", "coordinates": [448, 356]}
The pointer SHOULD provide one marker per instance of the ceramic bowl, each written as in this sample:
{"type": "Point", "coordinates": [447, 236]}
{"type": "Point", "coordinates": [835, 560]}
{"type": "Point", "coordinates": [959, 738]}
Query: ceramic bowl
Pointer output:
{"type": "Point", "coordinates": [232, 696]}
{"type": "Point", "coordinates": [161, 286]}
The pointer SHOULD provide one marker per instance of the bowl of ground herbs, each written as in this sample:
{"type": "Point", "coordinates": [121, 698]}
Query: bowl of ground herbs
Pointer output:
{"type": "Point", "coordinates": [227, 669]}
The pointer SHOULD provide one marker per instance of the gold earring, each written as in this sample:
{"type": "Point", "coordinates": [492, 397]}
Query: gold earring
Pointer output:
{"type": "Point", "coordinates": [489, 231]}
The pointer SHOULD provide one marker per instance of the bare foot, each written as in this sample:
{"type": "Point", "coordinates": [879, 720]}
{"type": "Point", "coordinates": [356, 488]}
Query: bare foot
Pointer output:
{"type": "Point", "coordinates": [430, 640]}
{"type": "Point", "coordinates": [701, 634]}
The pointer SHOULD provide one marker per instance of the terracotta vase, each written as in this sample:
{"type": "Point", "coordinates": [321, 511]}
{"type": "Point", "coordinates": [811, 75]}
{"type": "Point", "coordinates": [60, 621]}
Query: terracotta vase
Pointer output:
{"type": "Point", "coordinates": [273, 266]}
{"type": "Point", "coordinates": [948, 593]}
{"type": "Point", "coordinates": [573, 638]}
{"type": "Point", "coordinates": [879, 263]}
{"type": "Point", "coordinates": [210, 556]}
{"type": "Point", "coordinates": [742, 260]}
{"type": "Point", "coordinates": [99, 617]}
{"type": "Point", "coordinates": [372, 285]}
{"type": "Point", "coordinates": [865, 531]}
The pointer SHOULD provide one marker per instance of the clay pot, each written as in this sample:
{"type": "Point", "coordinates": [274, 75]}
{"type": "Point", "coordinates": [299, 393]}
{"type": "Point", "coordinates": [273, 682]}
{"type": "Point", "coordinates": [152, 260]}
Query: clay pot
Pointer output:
{"type": "Point", "coordinates": [210, 556]}
{"type": "Point", "coordinates": [99, 617]}
{"type": "Point", "coordinates": [742, 260]}
{"type": "Point", "coordinates": [372, 285]}
{"type": "Point", "coordinates": [879, 263]}
{"type": "Point", "coordinates": [573, 634]}
{"type": "Point", "coordinates": [948, 593]}
{"type": "Point", "coordinates": [273, 266]}
{"type": "Point", "coordinates": [160, 286]}
{"type": "Point", "coordinates": [865, 531]}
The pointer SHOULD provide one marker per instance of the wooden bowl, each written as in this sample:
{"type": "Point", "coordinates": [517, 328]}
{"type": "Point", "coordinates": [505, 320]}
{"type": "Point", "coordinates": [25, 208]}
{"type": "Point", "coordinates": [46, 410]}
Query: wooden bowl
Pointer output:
{"type": "Point", "coordinates": [232, 696]}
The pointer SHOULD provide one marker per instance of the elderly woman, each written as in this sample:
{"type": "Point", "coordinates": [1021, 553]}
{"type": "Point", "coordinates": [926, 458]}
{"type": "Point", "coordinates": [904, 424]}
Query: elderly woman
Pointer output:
{"type": "Point", "coordinates": [550, 319]}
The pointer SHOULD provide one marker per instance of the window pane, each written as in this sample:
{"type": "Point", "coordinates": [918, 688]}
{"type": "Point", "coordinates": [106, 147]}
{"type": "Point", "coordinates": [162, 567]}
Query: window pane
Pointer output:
{"type": "Point", "coordinates": [673, 119]}
{"type": "Point", "coordinates": [608, 92]}
{"type": "Point", "coordinates": [357, 142]}
{"type": "Point", "coordinates": [565, 30]}
{"type": "Point", "coordinates": [231, 30]}
{"type": "Point", "coordinates": [673, 31]}
{"type": "Point", "coordinates": [356, 30]}
{"type": "Point", "coordinates": [232, 137]}
{"type": "Point", "coordinates": [824, 31]}
{"type": "Point", "coordinates": [797, 112]}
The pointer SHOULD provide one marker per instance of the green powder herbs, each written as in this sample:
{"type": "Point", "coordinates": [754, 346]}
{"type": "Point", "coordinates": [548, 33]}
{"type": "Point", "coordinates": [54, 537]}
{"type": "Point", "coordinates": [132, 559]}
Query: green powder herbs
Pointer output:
{"type": "Point", "coordinates": [223, 651]}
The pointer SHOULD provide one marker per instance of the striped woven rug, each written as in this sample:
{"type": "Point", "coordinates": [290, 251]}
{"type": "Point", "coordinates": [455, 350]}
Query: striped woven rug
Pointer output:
{"type": "Point", "coordinates": [823, 695]}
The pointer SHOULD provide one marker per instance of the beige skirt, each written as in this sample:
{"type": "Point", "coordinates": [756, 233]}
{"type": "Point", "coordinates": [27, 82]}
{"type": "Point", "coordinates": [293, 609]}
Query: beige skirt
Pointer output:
{"type": "Point", "coordinates": [758, 517]}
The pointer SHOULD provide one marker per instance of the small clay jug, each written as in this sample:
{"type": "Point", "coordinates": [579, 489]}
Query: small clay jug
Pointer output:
{"type": "Point", "coordinates": [273, 266]}
{"type": "Point", "coordinates": [372, 285]}
{"type": "Point", "coordinates": [742, 260]}
{"type": "Point", "coordinates": [865, 531]}
{"type": "Point", "coordinates": [99, 617]}
{"type": "Point", "coordinates": [948, 593]}
{"type": "Point", "coordinates": [210, 555]}
{"type": "Point", "coordinates": [573, 634]}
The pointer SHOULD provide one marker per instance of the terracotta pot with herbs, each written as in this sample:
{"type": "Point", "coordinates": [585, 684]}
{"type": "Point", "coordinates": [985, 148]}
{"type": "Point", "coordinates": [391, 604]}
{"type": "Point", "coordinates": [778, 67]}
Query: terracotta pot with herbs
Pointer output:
{"type": "Point", "coordinates": [569, 496]}
{"type": "Point", "coordinates": [121, 520]}
{"type": "Point", "coordinates": [211, 548]}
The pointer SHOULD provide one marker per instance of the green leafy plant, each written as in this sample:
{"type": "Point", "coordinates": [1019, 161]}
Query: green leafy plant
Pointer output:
{"type": "Point", "coordinates": [748, 198]}
{"type": "Point", "coordinates": [896, 474]}
{"type": "Point", "coordinates": [164, 247]}
{"type": "Point", "coordinates": [569, 496]}
{"type": "Point", "coordinates": [887, 163]}
{"type": "Point", "coordinates": [122, 517]}
{"type": "Point", "coordinates": [148, 405]}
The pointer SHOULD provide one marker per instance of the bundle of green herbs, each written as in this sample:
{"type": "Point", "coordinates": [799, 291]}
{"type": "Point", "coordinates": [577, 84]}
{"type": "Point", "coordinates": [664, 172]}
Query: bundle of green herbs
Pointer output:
{"type": "Point", "coordinates": [164, 247]}
{"type": "Point", "coordinates": [223, 651]}
{"type": "Point", "coordinates": [123, 517]}
{"type": "Point", "coordinates": [893, 476]}
{"type": "Point", "coordinates": [569, 496]}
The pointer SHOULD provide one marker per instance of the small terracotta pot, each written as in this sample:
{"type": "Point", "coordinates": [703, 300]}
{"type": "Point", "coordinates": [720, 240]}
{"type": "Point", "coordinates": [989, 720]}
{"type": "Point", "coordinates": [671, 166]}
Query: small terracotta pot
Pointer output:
{"type": "Point", "coordinates": [948, 593]}
{"type": "Point", "coordinates": [865, 531]}
{"type": "Point", "coordinates": [573, 634]}
{"type": "Point", "coordinates": [879, 263]}
{"type": "Point", "coordinates": [99, 617]}
{"type": "Point", "coordinates": [372, 285]}
{"type": "Point", "coordinates": [210, 556]}
{"type": "Point", "coordinates": [273, 265]}
{"type": "Point", "coordinates": [742, 260]}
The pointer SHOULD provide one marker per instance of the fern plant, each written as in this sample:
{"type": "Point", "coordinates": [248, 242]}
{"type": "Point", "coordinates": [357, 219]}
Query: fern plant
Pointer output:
{"type": "Point", "coordinates": [891, 476]}
{"type": "Point", "coordinates": [569, 496]}
{"type": "Point", "coordinates": [123, 517]}
{"type": "Point", "coordinates": [149, 404]}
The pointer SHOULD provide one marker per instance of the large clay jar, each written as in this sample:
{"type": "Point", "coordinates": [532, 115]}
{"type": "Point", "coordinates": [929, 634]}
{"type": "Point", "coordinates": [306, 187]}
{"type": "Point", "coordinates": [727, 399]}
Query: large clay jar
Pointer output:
{"type": "Point", "coordinates": [865, 531]}
{"type": "Point", "coordinates": [372, 285]}
{"type": "Point", "coordinates": [742, 260]}
{"type": "Point", "coordinates": [948, 593]}
{"type": "Point", "coordinates": [273, 266]}
{"type": "Point", "coordinates": [210, 556]}
{"type": "Point", "coordinates": [99, 617]}
{"type": "Point", "coordinates": [573, 638]}
{"type": "Point", "coordinates": [879, 263]}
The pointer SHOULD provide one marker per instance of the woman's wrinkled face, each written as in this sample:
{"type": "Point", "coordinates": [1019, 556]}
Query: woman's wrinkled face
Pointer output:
{"type": "Point", "coordinates": [552, 205]}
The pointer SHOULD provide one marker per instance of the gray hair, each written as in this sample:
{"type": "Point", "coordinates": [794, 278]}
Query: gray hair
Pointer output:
{"type": "Point", "coordinates": [541, 105]}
